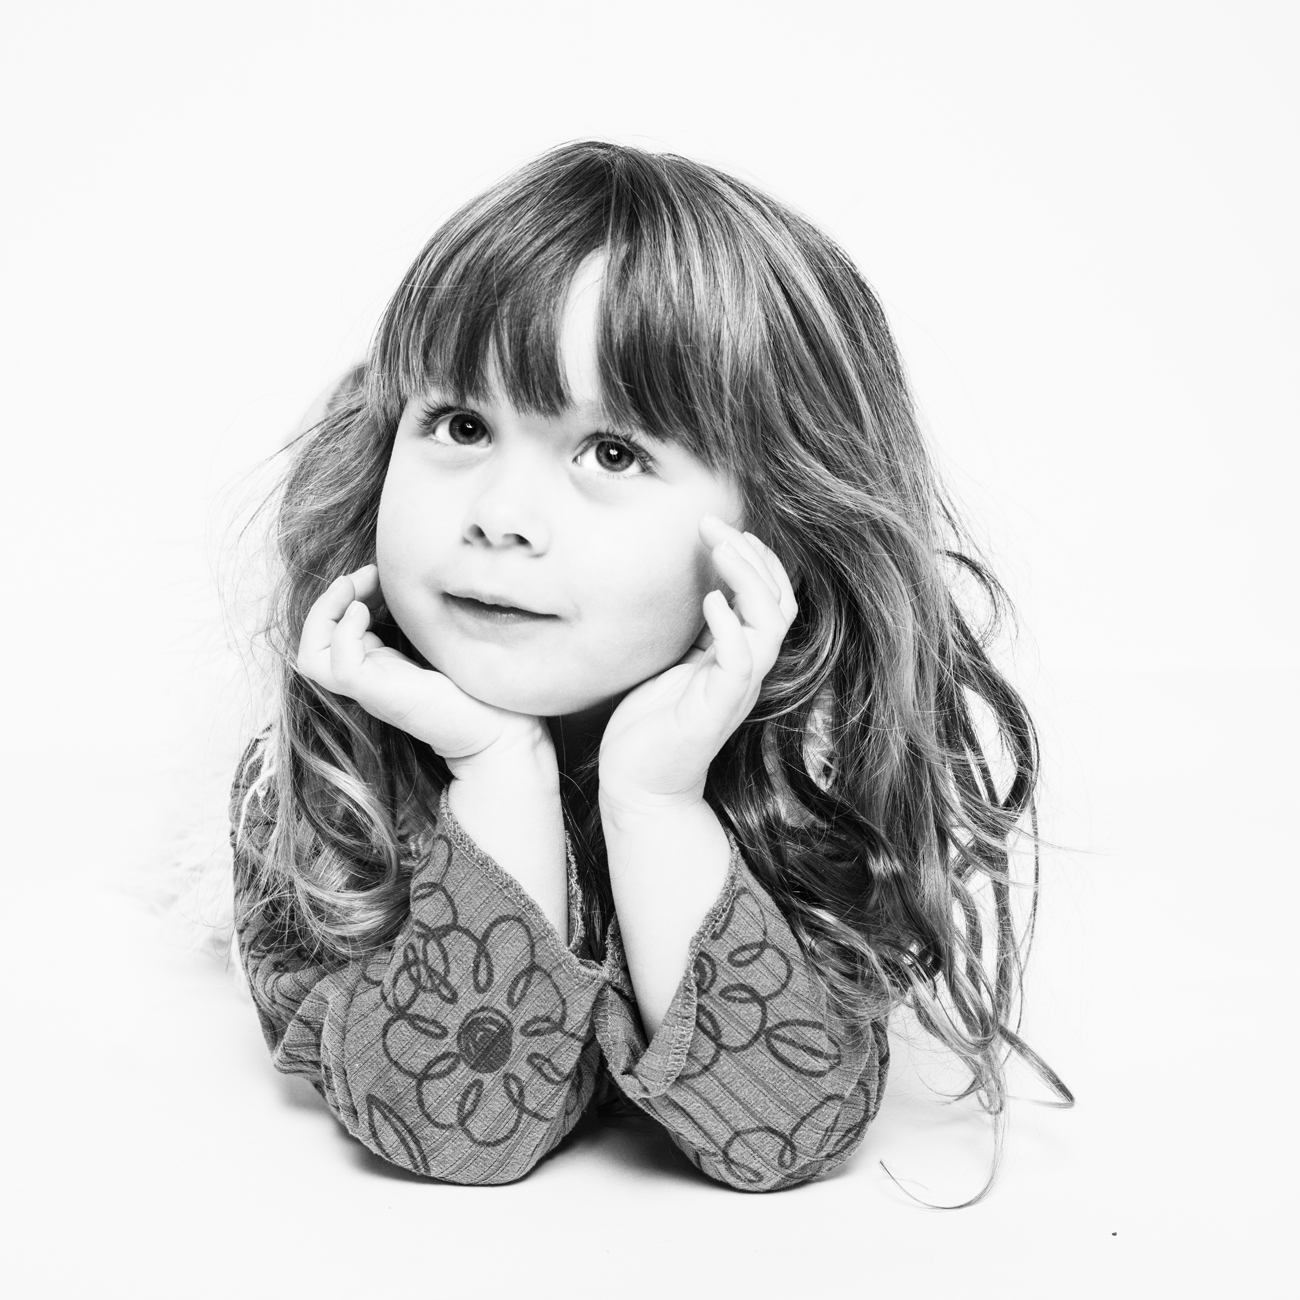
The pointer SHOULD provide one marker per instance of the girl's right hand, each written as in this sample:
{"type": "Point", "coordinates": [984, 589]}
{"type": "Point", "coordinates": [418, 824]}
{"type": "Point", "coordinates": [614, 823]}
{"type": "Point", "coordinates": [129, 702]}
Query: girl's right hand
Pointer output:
{"type": "Point", "coordinates": [338, 651]}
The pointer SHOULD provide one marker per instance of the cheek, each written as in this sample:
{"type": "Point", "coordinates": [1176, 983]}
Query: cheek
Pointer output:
{"type": "Point", "coordinates": [408, 538]}
{"type": "Point", "coordinates": [417, 508]}
{"type": "Point", "coordinates": [393, 544]}
{"type": "Point", "coordinates": [650, 620]}
{"type": "Point", "coordinates": [391, 528]}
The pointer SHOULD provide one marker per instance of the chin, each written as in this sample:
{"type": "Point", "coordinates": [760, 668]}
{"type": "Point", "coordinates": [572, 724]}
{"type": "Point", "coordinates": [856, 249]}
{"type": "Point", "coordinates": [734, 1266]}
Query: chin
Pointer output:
{"type": "Point", "coordinates": [533, 699]}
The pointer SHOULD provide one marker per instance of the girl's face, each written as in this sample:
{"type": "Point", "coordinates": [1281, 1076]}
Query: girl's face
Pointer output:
{"type": "Point", "coordinates": [546, 564]}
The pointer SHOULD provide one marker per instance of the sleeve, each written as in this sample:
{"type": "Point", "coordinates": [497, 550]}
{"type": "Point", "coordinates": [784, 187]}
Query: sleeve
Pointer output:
{"type": "Point", "coordinates": [752, 1077]}
{"type": "Point", "coordinates": [464, 1050]}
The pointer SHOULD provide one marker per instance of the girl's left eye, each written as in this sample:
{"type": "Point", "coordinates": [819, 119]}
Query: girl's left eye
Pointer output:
{"type": "Point", "coordinates": [615, 457]}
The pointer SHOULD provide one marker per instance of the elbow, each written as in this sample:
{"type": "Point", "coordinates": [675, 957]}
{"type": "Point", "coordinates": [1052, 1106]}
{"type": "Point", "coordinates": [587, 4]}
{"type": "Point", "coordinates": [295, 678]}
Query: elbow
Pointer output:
{"type": "Point", "coordinates": [448, 1156]}
{"type": "Point", "coordinates": [451, 1155]}
{"type": "Point", "coordinates": [797, 1148]}
{"type": "Point", "coordinates": [760, 1159]}
{"type": "Point", "coordinates": [765, 1161]}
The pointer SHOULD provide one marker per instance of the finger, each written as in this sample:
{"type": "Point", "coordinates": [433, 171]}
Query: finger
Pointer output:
{"type": "Point", "coordinates": [730, 647]}
{"type": "Point", "coordinates": [756, 592]}
{"type": "Point", "coordinates": [371, 642]}
{"type": "Point", "coordinates": [365, 584]}
{"type": "Point", "coordinates": [701, 649]}
{"type": "Point", "coordinates": [745, 544]}
{"type": "Point", "coordinates": [719, 692]}
{"type": "Point", "coordinates": [347, 651]}
{"type": "Point", "coordinates": [789, 605]}
{"type": "Point", "coordinates": [716, 532]}
{"type": "Point", "coordinates": [318, 628]}
{"type": "Point", "coordinates": [705, 638]}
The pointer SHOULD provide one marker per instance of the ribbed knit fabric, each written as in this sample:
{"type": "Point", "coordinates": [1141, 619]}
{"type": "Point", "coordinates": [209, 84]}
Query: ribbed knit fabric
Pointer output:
{"type": "Point", "coordinates": [468, 1048]}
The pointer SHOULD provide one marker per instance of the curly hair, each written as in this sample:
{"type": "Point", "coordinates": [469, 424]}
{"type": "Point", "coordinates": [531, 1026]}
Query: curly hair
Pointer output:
{"type": "Point", "coordinates": [862, 787]}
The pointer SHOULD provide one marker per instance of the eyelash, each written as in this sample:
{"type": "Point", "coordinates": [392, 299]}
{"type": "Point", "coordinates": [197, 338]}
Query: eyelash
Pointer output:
{"type": "Point", "coordinates": [435, 415]}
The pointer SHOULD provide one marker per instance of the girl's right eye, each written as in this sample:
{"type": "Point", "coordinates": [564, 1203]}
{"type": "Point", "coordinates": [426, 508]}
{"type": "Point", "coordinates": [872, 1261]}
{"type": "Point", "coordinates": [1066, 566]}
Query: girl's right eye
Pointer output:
{"type": "Point", "coordinates": [455, 428]}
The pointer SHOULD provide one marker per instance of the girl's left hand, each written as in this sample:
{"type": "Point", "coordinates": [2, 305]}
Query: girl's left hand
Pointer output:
{"type": "Point", "coordinates": [658, 745]}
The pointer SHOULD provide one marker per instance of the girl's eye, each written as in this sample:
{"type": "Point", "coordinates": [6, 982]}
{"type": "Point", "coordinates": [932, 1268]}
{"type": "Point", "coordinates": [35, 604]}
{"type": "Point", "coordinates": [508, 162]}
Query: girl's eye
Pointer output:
{"type": "Point", "coordinates": [617, 457]}
{"type": "Point", "coordinates": [459, 428]}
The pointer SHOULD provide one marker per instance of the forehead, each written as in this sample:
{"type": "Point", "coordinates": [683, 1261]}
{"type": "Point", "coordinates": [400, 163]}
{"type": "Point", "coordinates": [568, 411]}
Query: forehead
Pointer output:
{"type": "Point", "coordinates": [553, 325]}
{"type": "Point", "coordinates": [577, 345]}
{"type": "Point", "coordinates": [579, 328]}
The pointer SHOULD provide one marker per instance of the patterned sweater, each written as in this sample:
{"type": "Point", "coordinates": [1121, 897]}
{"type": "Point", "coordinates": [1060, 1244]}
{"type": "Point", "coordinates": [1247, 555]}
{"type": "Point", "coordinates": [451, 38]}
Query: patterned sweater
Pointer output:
{"type": "Point", "coordinates": [468, 1048]}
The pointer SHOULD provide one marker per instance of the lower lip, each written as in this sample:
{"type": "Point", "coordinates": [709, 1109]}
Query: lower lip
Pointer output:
{"type": "Point", "coordinates": [495, 616]}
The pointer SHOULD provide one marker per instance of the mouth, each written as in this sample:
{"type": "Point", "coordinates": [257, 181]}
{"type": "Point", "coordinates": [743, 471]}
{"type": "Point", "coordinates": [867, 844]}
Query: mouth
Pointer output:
{"type": "Point", "coordinates": [493, 609]}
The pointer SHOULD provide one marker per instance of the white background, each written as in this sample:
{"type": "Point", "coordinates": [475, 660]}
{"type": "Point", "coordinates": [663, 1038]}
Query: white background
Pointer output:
{"type": "Point", "coordinates": [1082, 221]}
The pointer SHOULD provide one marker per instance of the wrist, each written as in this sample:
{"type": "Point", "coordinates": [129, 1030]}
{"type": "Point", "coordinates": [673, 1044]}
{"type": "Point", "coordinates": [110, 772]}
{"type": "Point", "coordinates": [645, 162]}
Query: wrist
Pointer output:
{"type": "Point", "coordinates": [524, 758]}
{"type": "Point", "coordinates": [627, 799]}
{"type": "Point", "coordinates": [506, 799]}
{"type": "Point", "coordinates": [624, 810]}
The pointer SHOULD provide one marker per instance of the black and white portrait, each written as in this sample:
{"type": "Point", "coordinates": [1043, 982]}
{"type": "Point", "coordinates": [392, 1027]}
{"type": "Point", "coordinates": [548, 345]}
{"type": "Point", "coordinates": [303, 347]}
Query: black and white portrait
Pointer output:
{"type": "Point", "coordinates": [650, 649]}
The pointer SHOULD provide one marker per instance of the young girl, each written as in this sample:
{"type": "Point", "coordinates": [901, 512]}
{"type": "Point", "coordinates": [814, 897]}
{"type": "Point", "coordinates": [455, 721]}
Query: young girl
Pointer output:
{"type": "Point", "coordinates": [625, 742]}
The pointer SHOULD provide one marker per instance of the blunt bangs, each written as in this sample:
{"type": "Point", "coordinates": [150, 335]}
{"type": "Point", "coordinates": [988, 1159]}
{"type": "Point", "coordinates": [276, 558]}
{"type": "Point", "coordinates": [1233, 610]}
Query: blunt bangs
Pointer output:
{"type": "Point", "coordinates": [682, 345]}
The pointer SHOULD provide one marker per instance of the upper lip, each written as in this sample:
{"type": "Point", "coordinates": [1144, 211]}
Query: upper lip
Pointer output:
{"type": "Point", "coordinates": [491, 598]}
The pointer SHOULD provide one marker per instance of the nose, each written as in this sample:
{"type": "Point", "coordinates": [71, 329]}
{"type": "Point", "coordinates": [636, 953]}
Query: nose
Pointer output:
{"type": "Point", "coordinates": [509, 510]}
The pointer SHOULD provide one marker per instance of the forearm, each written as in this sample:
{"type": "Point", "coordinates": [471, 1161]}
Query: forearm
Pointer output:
{"type": "Point", "coordinates": [753, 1075]}
{"type": "Point", "coordinates": [667, 867]}
{"type": "Point", "coordinates": [511, 809]}
{"type": "Point", "coordinates": [420, 1048]}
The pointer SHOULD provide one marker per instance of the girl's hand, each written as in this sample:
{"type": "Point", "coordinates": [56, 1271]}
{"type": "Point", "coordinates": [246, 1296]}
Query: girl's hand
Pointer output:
{"type": "Point", "coordinates": [339, 652]}
{"type": "Point", "coordinates": [658, 744]}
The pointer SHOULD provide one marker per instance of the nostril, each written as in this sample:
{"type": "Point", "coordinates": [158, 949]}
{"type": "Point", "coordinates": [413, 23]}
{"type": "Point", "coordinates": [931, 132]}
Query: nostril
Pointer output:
{"type": "Point", "coordinates": [506, 515]}
{"type": "Point", "coordinates": [478, 535]}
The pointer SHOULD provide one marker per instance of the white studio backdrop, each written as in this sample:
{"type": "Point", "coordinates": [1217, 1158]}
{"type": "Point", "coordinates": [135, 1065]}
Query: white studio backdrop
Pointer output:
{"type": "Point", "coordinates": [1080, 219]}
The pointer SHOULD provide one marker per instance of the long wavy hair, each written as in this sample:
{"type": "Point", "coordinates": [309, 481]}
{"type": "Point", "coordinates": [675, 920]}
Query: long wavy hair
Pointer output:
{"type": "Point", "coordinates": [881, 780]}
